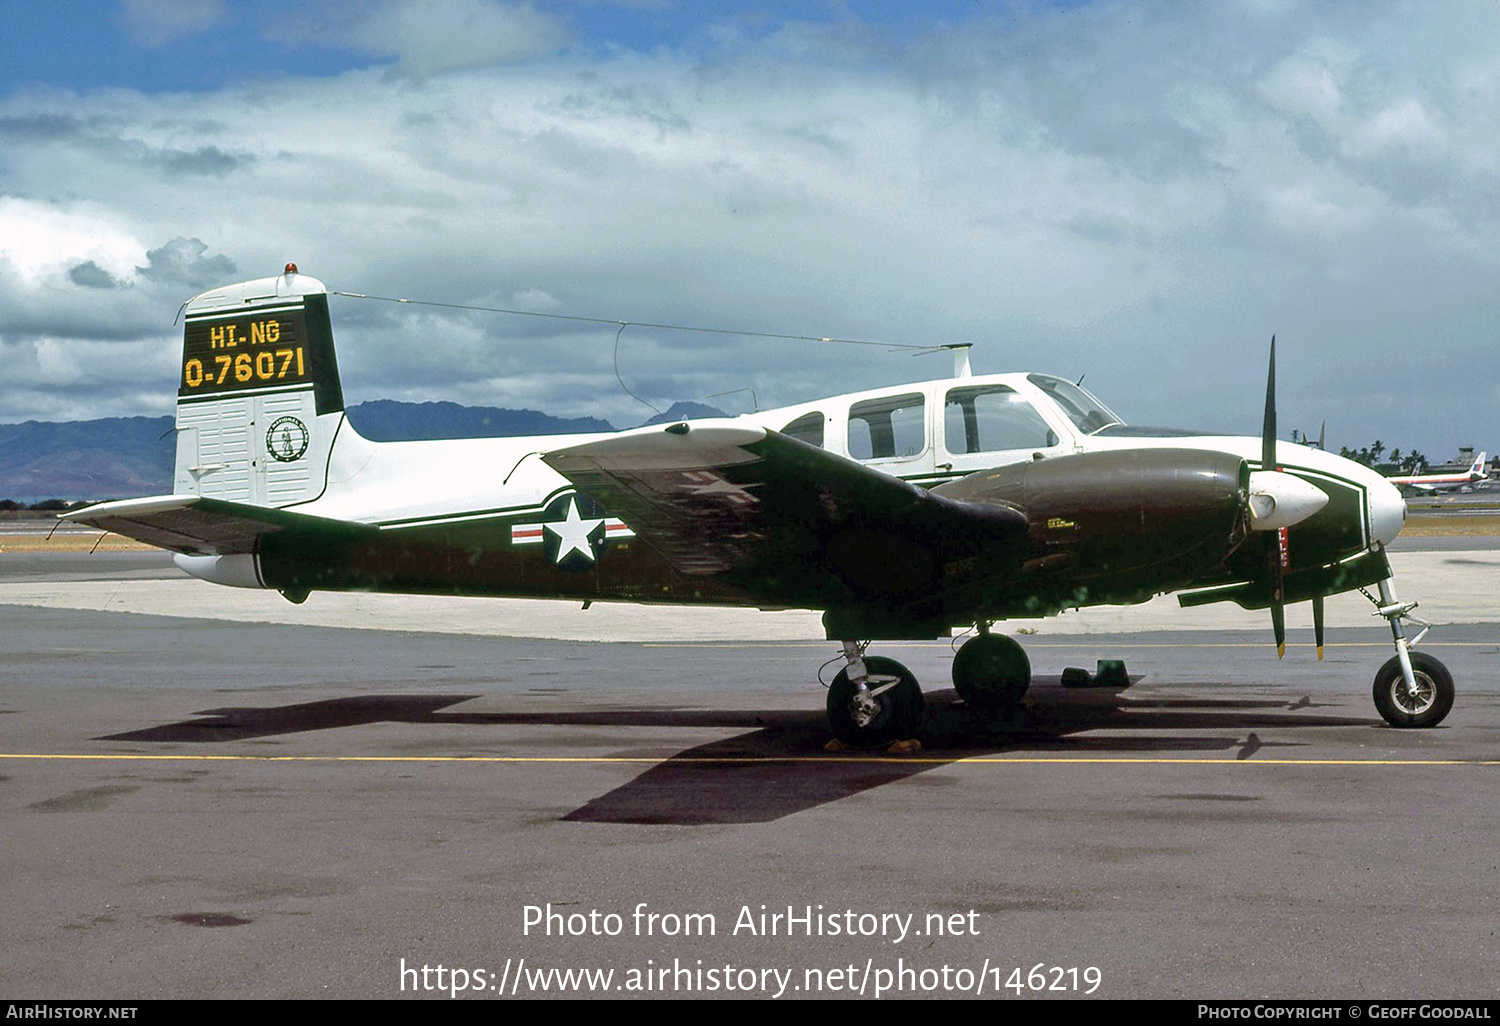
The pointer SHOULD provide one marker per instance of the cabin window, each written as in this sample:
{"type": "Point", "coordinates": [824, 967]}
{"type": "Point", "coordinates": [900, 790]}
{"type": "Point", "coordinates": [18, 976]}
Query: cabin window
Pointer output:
{"type": "Point", "coordinates": [992, 418]}
{"type": "Point", "coordinates": [807, 428]}
{"type": "Point", "coordinates": [892, 426]}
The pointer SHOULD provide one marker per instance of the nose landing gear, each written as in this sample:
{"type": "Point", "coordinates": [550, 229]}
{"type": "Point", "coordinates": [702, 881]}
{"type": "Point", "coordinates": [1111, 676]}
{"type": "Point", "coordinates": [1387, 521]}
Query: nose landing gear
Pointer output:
{"type": "Point", "coordinates": [1412, 689]}
{"type": "Point", "coordinates": [1421, 702]}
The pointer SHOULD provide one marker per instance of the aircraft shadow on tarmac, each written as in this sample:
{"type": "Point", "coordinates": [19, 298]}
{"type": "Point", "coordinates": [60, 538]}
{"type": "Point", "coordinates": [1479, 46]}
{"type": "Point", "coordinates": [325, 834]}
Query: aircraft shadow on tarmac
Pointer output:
{"type": "Point", "coordinates": [778, 767]}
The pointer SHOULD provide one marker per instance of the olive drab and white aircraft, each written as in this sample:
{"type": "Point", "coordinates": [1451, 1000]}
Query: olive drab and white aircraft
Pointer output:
{"type": "Point", "coordinates": [900, 513]}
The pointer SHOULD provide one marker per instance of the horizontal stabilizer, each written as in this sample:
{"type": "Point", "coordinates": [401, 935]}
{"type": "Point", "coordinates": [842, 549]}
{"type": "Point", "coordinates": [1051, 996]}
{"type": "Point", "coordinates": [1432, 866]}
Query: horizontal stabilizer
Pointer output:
{"type": "Point", "coordinates": [199, 526]}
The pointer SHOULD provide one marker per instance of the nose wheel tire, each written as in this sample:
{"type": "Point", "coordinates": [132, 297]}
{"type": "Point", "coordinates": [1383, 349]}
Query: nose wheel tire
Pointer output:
{"type": "Point", "coordinates": [1427, 705]}
{"type": "Point", "coordinates": [881, 714]}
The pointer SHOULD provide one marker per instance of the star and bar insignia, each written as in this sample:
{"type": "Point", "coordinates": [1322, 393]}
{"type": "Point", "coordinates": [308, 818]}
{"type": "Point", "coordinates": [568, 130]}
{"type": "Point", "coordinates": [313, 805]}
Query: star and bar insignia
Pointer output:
{"type": "Point", "coordinates": [572, 532]}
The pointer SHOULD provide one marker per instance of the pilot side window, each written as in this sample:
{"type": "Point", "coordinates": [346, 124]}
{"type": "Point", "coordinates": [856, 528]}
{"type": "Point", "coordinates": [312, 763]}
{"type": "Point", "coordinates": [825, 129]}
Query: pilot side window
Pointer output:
{"type": "Point", "coordinates": [1082, 409]}
{"type": "Point", "coordinates": [890, 426]}
{"type": "Point", "coordinates": [807, 428]}
{"type": "Point", "coordinates": [991, 418]}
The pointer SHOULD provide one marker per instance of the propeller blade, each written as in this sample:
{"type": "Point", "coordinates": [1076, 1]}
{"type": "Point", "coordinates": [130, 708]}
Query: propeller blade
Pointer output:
{"type": "Point", "coordinates": [1268, 429]}
{"type": "Point", "coordinates": [1278, 590]}
{"type": "Point", "coordinates": [1278, 554]}
{"type": "Point", "coordinates": [1318, 624]}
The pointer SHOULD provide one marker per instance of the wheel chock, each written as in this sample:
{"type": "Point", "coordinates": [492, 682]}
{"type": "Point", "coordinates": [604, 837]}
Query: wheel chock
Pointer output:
{"type": "Point", "coordinates": [1076, 677]}
{"type": "Point", "coordinates": [1112, 674]}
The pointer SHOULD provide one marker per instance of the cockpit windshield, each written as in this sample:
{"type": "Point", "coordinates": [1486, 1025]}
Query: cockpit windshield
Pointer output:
{"type": "Point", "coordinates": [1089, 414]}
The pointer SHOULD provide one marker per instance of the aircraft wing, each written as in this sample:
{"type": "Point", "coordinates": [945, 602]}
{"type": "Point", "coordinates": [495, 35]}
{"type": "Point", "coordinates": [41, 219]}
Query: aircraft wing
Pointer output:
{"type": "Point", "coordinates": [200, 526]}
{"type": "Point", "coordinates": [786, 521]}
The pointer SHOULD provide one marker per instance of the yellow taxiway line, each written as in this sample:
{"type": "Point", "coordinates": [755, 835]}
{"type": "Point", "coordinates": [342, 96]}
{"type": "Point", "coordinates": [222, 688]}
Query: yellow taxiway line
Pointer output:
{"type": "Point", "coordinates": [1085, 641]}
{"type": "Point", "coordinates": [829, 758]}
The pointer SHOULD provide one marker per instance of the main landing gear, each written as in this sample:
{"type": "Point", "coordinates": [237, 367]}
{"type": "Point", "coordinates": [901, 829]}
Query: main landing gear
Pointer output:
{"type": "Point", "coordinates": [991, 673]}
{"type": "Point", "coordinates": [874, 701]}
{"type": "Point", "coordinates": [1412, 689]}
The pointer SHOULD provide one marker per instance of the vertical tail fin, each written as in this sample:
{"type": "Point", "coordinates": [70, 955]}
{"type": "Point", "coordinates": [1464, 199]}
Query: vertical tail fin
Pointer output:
{"type": "Point", "coordinates": [259, 399]}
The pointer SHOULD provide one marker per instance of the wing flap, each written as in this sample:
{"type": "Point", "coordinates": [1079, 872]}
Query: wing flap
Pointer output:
{"type": "Point", "coordinates": [199, 526]}
{"type": "Point", "coordinates": [678, 486]}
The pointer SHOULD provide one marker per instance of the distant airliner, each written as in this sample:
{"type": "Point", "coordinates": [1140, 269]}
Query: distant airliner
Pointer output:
{"type": "Point", "coordinates": [1444, 482]}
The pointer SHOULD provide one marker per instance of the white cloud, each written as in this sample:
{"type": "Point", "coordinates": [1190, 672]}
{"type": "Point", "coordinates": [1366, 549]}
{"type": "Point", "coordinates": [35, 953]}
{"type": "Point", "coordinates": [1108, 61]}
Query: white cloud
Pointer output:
{"type": "Point", "coordinates": [428, 37]}
{"type": "Point", "coordinates": [1310, 84]}
{"type": "Point", "coordinates": [186, 262]}
{"type": "Point", "coordinates": [41, 241]}
{"type": "Point", "coordinates": [155, 23]}
{"type": "Point", "coordinates": [1137, 191]}
{"type": "Point", "coordinates": [1404, 125]}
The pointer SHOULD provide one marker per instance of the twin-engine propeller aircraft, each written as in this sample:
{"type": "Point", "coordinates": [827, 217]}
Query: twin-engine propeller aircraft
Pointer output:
{"type": "Point", "coordinates": [900, 512]}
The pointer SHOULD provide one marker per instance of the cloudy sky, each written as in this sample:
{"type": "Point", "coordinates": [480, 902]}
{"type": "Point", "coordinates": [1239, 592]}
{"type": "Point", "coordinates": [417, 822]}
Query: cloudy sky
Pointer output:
{"type": "Point", "coordinates": [1141, 192]}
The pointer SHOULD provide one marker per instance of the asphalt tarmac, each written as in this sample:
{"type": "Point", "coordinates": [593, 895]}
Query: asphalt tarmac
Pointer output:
{"type": "Point", "coordinates": [216, 804]}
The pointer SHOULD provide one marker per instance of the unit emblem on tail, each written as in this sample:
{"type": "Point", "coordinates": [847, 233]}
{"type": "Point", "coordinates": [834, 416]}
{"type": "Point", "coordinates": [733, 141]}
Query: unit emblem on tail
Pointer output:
{"type": "Point", "coordinates": [287, 439]}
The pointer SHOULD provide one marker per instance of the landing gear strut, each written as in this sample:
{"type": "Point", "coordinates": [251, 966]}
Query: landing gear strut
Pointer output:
{"type": "Point", "coordinates": [991, 672]}
{"type": "Point", "coordinates": [873, 701]}
{"type": "Point", "coordinates": [1412, 689]}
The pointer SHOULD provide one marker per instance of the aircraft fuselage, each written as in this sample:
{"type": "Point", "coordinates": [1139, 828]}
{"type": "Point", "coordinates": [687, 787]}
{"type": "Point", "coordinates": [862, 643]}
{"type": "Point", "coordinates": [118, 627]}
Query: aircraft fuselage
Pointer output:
{"type": "Point", "coordinates": [489, 517]}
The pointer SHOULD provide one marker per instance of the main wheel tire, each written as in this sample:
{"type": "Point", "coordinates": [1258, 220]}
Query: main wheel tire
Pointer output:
{"type": "Point", "coordinates": [1431, 703]}
{"type": "Point", "coordinates": [991, 672]}
{"type": "Point", "coordinates": [898, 717]}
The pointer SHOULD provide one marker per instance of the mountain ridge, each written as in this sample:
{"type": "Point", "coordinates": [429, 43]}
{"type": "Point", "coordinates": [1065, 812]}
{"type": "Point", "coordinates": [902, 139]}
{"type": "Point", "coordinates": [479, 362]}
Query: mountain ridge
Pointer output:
{"type": "Point", "coordinates": [118, 457]}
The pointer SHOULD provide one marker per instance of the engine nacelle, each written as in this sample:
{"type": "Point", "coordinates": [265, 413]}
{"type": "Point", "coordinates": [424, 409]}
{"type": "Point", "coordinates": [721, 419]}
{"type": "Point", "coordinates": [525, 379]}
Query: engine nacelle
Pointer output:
{"type": "Point", "coordinates": [1146, 519]}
